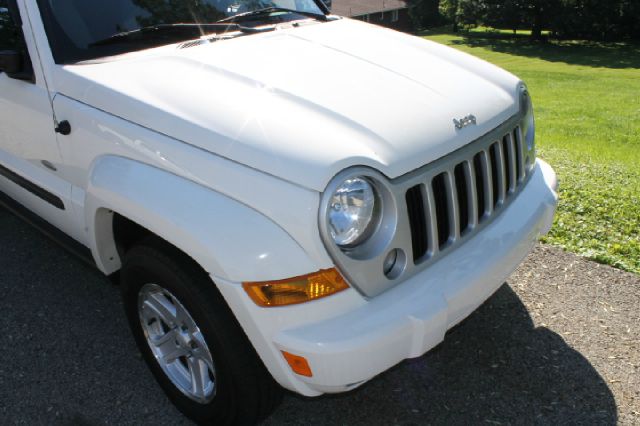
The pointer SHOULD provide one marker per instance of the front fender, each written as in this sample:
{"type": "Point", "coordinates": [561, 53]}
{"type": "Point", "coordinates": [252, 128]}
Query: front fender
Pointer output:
{"type": "Point", "coordinates": [227, 238]}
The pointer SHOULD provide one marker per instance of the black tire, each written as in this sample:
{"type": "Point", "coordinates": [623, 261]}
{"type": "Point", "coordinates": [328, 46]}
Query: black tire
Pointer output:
{"type": "Point", "coordinates": [246, 393]}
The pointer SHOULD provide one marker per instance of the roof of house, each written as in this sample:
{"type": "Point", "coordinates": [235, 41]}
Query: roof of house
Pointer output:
{"type": "Point", "coordinates": [363, 7]}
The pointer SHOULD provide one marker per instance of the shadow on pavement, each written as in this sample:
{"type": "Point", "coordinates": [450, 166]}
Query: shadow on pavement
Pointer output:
{"type": "Point", "coordinates": [493, 368]}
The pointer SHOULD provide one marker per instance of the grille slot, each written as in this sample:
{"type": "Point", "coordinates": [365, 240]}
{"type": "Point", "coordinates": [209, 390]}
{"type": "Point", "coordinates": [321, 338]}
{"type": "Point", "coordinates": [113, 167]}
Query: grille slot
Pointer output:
{"type": "Point", "coordinates": [417, 221]}
{"type": "Point", "coordinates": [441, 201]}
{"type": "Point", "coordinates": [509, 164]}
{"type": "Point", "coordinates": [517, 141]}
{"type": "Point", "coordinates": [463, 196]}
{"type": "Point", "coordinates": [496, 173]}
{"type": "Point", "coordinates": [454, 199]}
{"type": "Point", "coordinates": [480, 171]}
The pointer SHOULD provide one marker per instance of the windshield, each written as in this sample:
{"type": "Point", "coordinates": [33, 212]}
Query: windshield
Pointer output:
{"type": "Point", "coordinates": [78, 29]}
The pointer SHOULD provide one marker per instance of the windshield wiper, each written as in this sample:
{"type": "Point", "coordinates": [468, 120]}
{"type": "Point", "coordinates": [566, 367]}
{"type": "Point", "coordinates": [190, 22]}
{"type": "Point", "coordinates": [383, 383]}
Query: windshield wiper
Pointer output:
{"type": "Point", "coordinates": [165, 29]}
{"type": "Point", "coordinates": [271, 9]}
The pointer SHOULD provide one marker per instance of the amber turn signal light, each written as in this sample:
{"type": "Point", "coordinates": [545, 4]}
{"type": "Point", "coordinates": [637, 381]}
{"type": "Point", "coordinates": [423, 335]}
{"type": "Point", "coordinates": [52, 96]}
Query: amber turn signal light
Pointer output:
{"type": "Point", "coordinates": [298, 364]}
{"type": "Point", "coordinates": [296, 290]}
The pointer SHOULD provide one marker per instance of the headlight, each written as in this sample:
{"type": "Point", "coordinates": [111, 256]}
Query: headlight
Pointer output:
{"type": "Point", "coordinates": [530, 132]}
{"type": "Point", "coordinates": [529, 129]}
{"type": "Point", "coordinates": [352, 211]}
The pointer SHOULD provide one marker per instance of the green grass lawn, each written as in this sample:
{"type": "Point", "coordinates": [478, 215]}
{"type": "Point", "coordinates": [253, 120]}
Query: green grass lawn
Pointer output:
{"type": "Point", "coordinates": [587, 100]}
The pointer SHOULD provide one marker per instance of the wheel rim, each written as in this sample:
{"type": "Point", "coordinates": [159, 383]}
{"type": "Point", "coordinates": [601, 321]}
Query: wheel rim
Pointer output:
{"type": "Point", "coordinates": [177, 343]}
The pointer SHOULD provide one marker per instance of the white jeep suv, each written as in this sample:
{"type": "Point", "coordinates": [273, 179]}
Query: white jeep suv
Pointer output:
{"type": "Point", "coordinates": [288, 198]}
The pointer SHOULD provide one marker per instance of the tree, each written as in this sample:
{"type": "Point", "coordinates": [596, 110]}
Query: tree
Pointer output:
{"type": "Point", "coordinates": [467, 13]}
{"type": "Point", "coordinates": [594, 19]}
{"type": "Point", "coordinates": [629, 23]}
{"type": "Point", "coordinates": [425, 13]}
{"type": "Point", "coordinates": [583, 19]}
{"type": "Point", "coordinates": [449, 10]}
{"type": "Point", "coordinates": [540, 14]}
{"type": "Point", "coordinates": [507, 14]}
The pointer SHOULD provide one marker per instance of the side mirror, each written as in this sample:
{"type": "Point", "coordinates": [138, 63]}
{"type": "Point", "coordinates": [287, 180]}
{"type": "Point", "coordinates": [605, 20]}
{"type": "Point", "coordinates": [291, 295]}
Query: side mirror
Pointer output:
{"type": "Point", "coordinates": [10, 62]}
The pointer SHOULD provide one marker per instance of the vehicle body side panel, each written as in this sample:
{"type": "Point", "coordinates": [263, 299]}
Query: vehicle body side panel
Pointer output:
{"type": "Point", "coordinates": [28, 141]}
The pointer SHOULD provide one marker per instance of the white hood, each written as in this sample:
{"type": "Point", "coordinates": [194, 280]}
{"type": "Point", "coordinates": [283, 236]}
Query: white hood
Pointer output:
{"type": "Point", "coordinates": [305, 103]}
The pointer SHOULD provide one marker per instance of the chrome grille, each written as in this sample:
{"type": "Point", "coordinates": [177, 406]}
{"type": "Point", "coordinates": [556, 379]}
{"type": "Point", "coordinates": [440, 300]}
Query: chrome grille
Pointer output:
{"type": "Point", "coordinates": [448, 206]}
{"type": "Point", "coordinates": [430, 211]}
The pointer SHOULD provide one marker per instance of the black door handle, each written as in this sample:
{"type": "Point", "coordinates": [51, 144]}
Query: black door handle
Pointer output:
{"type": "Point", "coordinates": [63, 127]}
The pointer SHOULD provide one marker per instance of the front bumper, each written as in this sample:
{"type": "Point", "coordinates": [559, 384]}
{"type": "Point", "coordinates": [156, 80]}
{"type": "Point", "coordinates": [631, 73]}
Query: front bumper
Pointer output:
{"type": "Point", "coordinates": [347, 340]}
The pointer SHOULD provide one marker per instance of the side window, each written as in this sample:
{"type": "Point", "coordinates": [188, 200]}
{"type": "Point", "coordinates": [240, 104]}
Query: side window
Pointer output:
{"type": "Point", "coordinates": [8, 29]}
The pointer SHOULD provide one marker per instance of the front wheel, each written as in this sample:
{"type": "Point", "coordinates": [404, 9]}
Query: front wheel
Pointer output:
{"type": "Point", "coordinates": [191, 341]}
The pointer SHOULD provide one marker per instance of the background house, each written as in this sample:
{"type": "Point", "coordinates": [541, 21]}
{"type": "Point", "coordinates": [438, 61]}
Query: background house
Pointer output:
{"type": "Point", "coordinates": [388, 13]}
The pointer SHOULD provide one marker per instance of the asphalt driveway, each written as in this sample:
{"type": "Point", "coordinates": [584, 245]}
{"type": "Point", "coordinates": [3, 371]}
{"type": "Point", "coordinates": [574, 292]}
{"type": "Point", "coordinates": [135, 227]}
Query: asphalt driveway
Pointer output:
{"type": "Point", "coordinates": [558, 343]}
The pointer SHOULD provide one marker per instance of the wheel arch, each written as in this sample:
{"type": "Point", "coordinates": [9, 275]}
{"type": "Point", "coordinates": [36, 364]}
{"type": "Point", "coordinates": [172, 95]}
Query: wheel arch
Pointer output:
{"type": "Point", "coordinates": [228, 239]}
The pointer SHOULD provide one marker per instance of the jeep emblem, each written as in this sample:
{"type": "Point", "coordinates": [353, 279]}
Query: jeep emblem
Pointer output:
{"type": "Point", "coordinates": [466, 121]}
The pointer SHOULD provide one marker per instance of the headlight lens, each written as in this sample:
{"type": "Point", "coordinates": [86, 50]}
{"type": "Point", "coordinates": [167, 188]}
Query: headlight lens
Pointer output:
{"type": "Point", "coordinates": [530, 135]}
{"type": "Point", "coordinates": [529, 121]}
{"type": "Point", "coordinates": [351, 211]}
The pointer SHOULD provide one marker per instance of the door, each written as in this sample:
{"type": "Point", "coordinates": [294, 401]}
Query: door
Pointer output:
{"type": "Point", "coordinates": [29, 154]}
